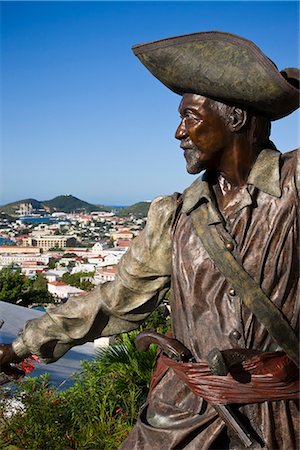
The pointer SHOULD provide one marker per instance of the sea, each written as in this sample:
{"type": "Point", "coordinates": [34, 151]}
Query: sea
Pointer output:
{"type": "Point", "coordinates": [5, 241]}
{"type": "Point", "coordinates": [42, 219]}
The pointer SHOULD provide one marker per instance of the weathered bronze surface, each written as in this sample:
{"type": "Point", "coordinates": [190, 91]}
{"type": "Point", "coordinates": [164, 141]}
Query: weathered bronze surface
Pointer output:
{"type": "Point", "coordinates": [248, 197]}
{"type": "Point", "coordinates": [222, 66]}
{"type": "Point", "coordinates": [175, 350]}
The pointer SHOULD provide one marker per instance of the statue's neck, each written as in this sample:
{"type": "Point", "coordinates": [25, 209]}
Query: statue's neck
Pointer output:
{"type": "Point", "coordinates": [236, 163]}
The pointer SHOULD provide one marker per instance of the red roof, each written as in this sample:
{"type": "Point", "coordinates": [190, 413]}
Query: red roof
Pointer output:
{"type": "Point", "coordinates": [124, 243]}
{"type": "Point", "coordinates": [113, 270]}
{"type": "Point", "coordinates": [57, 283]}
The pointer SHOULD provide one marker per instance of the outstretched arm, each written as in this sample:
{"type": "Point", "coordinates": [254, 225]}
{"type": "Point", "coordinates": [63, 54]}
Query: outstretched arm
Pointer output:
{"type": "Point", "coordinates": [141, 282]}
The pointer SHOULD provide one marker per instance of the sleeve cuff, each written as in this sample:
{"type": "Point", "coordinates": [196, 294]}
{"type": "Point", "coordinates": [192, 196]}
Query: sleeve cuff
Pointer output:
{"type": "Point", "coordinates": [20, 348]}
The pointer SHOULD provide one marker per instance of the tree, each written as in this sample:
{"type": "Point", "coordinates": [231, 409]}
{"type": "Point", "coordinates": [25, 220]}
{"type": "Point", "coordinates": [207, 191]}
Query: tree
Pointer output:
{"type": "Point", "coordinates": [79, 280]}
{"type": "Point", "coordinates": [40, 283]}
{"type": "Point", "coordinates": [70, 255]}
{"type": "Point", "coordinates": [38, 292]}
{"type": "Point", "coordinates": [13, 284]}
{"type": "Point", "coordinates": [52, 263]}
{"type": "Point", "coordinates": [111, 242]}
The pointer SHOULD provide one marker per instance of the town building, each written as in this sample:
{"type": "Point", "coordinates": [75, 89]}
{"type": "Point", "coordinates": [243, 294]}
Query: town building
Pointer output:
{"type": "Point", "coordinates": [62, 290]}
{"type": "Point", "coordinates": [47, 242]}
{"type": "Point", "coordinates": [104, 274]}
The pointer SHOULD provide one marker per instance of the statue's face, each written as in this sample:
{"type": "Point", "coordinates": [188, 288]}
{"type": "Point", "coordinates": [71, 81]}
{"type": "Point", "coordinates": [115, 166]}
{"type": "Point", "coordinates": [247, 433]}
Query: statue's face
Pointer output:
{"type": "Point", "coordinates": [202, 133]}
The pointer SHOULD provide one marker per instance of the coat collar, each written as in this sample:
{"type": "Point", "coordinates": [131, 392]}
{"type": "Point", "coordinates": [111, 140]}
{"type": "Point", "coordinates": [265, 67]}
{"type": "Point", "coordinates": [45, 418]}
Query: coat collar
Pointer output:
{"type": "Point", "coordinates": [264, 175]}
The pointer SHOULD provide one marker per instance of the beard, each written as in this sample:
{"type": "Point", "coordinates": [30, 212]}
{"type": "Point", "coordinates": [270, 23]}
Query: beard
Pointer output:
{"type": "Point", "coordinates": [193, 162]}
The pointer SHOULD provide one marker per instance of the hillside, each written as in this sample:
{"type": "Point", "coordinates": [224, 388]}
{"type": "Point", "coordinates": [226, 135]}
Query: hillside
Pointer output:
{"type": "Point", "coordinates": [7, 217]}
{"type": "Point", "coordinates": [11, 208]}
{"type": "Point", "coordinates": [63, 203]}
{"type": "Point", "coordinates": [68, 204]}
{"type": "Point", "coordinates": [139, 209]}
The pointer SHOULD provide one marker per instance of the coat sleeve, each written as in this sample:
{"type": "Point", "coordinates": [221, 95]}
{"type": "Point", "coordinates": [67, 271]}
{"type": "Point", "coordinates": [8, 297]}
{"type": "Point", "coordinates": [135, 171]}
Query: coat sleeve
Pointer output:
{"type": "Point", "coordinates": [142, 279]}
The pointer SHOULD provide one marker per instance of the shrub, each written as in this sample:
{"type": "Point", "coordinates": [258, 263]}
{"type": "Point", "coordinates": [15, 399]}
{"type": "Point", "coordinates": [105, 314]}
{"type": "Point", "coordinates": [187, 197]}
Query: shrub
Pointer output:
{"type": "Point", "coordinates": [97, 412]}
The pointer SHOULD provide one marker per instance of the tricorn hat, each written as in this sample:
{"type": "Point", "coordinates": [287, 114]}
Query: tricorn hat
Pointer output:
{"type": "Point", "coordinates": [224, 67]}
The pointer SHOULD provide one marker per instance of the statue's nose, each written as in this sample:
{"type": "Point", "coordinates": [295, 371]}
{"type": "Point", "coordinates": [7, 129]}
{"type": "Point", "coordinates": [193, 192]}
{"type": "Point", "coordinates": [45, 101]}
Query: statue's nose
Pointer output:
{"type": "Point", "coordinates": [181, 131]}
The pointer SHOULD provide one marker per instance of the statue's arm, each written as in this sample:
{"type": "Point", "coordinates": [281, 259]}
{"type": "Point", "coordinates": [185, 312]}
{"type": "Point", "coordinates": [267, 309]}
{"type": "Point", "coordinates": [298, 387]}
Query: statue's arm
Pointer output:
{"type": "Point", "coordinates": [141, 282]}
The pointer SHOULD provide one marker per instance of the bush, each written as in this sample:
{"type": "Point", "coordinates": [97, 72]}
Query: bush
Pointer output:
{"type": "Point", "coordinates": [13, 284]}
{"type": "Point", "coordinates": [39, 419]}
{"type": "Point", "coordinates": [97, 412]}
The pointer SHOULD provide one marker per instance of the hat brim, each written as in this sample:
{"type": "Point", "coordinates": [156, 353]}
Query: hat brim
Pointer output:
{"type": "Point", "coordinates": [221, 66]}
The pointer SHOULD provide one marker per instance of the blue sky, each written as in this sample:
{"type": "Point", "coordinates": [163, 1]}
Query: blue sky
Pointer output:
{"type": "Point", "coordinates": [81, 115]}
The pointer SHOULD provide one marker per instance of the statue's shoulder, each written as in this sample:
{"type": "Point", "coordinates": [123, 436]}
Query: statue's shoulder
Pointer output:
{"type": "Point", "coordinates": [163, 207]}
{"type": "Point", "coordinates": [291, 164]}
{"type": "Point", "coordinates": [292, 155]}
{"type": "Point", "coordinates": [184, 202]}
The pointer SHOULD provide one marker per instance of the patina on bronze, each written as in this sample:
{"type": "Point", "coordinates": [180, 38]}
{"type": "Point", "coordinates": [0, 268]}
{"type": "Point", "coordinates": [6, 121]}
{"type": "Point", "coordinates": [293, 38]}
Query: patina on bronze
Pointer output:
{"type": "Point", "coordinates": [248, 290]}
{"type": "Point", "coordinates": [248, 196]}
{"type": "Point", "coordinates": [222, 66]}
{"type": "Point", "coordinates": [177, 351]}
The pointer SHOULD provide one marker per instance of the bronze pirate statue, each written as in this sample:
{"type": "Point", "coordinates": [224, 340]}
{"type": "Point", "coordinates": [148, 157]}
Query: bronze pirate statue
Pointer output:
{"type": "Point", "coordinates": [228, 247]}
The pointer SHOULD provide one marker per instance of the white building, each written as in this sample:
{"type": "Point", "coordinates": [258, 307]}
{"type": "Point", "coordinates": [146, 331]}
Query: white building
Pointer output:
{"type": "Point", "coordinates": [105, 274]}
{"type": "Point", "coordinates": [62, 290]}
{"type": "Point", "coordinates": [83, 267]}
{"type": "Point", "coordinates": [54, 274]}
{"type": "Point", "coordinates": [7, 260]}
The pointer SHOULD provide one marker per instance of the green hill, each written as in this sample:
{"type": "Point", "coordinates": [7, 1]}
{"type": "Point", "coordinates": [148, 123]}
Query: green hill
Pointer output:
{"type": "Point", "coordinates": [5, 216]}
{"type": "Point", "coordinates": [11, 208]}
{"type": "Point", "coordinates": [63, 203]}
{"type": "Point", "coordinates": [139, 209]}
{"type": "Point", "coordinates": [68, 204]}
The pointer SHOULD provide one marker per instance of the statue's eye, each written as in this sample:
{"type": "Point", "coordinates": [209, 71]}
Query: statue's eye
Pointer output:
{"type": "Point", "coordinates": [189, 115]}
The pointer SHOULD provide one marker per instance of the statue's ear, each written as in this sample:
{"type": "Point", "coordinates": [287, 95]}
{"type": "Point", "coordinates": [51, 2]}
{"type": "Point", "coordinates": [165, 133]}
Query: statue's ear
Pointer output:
{"type": "Point", "coordinates": [237, 119]}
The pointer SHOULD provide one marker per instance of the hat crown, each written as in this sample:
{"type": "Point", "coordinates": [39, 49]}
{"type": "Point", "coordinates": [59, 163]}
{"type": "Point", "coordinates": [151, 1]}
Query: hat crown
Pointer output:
{"type": "Point", "coordinates": [222, 66]}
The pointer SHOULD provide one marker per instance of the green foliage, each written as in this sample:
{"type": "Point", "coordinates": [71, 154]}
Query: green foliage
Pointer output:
{"type": "Point", "coordinates": [40, 283]}
{"type": "Point", "coordinates": [13, 284]}
{"type": "Point", "coordinates": [124, 358]}
{"type": "Point", "coordinates": [69, 255]}
{"type": "Point", "coordinates": [97, 412]}
{"type": "Point", "coordinates": [159, 320]}
{"type": "Point", "coordinates": [52, 263]}
{"type": "Point", "coordinates": [78, 280]}
{"type": "Point", "coordinates": [39, 420]}
{"type": "Point", "coordinates": [69, 204]}
{"type": "Point", "coordinates": [5, 216]}
{"type": "Point", "coordinates": [138, 210]}
{"type": "Point", "coordinates": [110, 243]}
{"type": "Point", "coordinates": [38, 292]}
{"type": "Point", "coordinates": [66, 203]}
{"type": "Point", "coordinates": [11, 208]}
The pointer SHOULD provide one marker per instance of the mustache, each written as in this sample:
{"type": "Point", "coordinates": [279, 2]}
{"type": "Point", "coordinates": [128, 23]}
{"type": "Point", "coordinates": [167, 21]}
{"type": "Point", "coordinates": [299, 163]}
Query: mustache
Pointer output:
{"type": "Point", "coordinates": [187, 145]}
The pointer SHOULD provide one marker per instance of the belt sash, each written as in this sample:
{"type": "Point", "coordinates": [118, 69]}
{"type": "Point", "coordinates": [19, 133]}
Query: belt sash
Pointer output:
{"type": "Point", "coordinates": [269, 376]}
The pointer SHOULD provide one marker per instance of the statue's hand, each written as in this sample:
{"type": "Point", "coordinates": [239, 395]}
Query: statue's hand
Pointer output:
{"type": "Point", "coordinates": [8, 355]}
{"type": "Point", "coordinates": [7, 371]}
